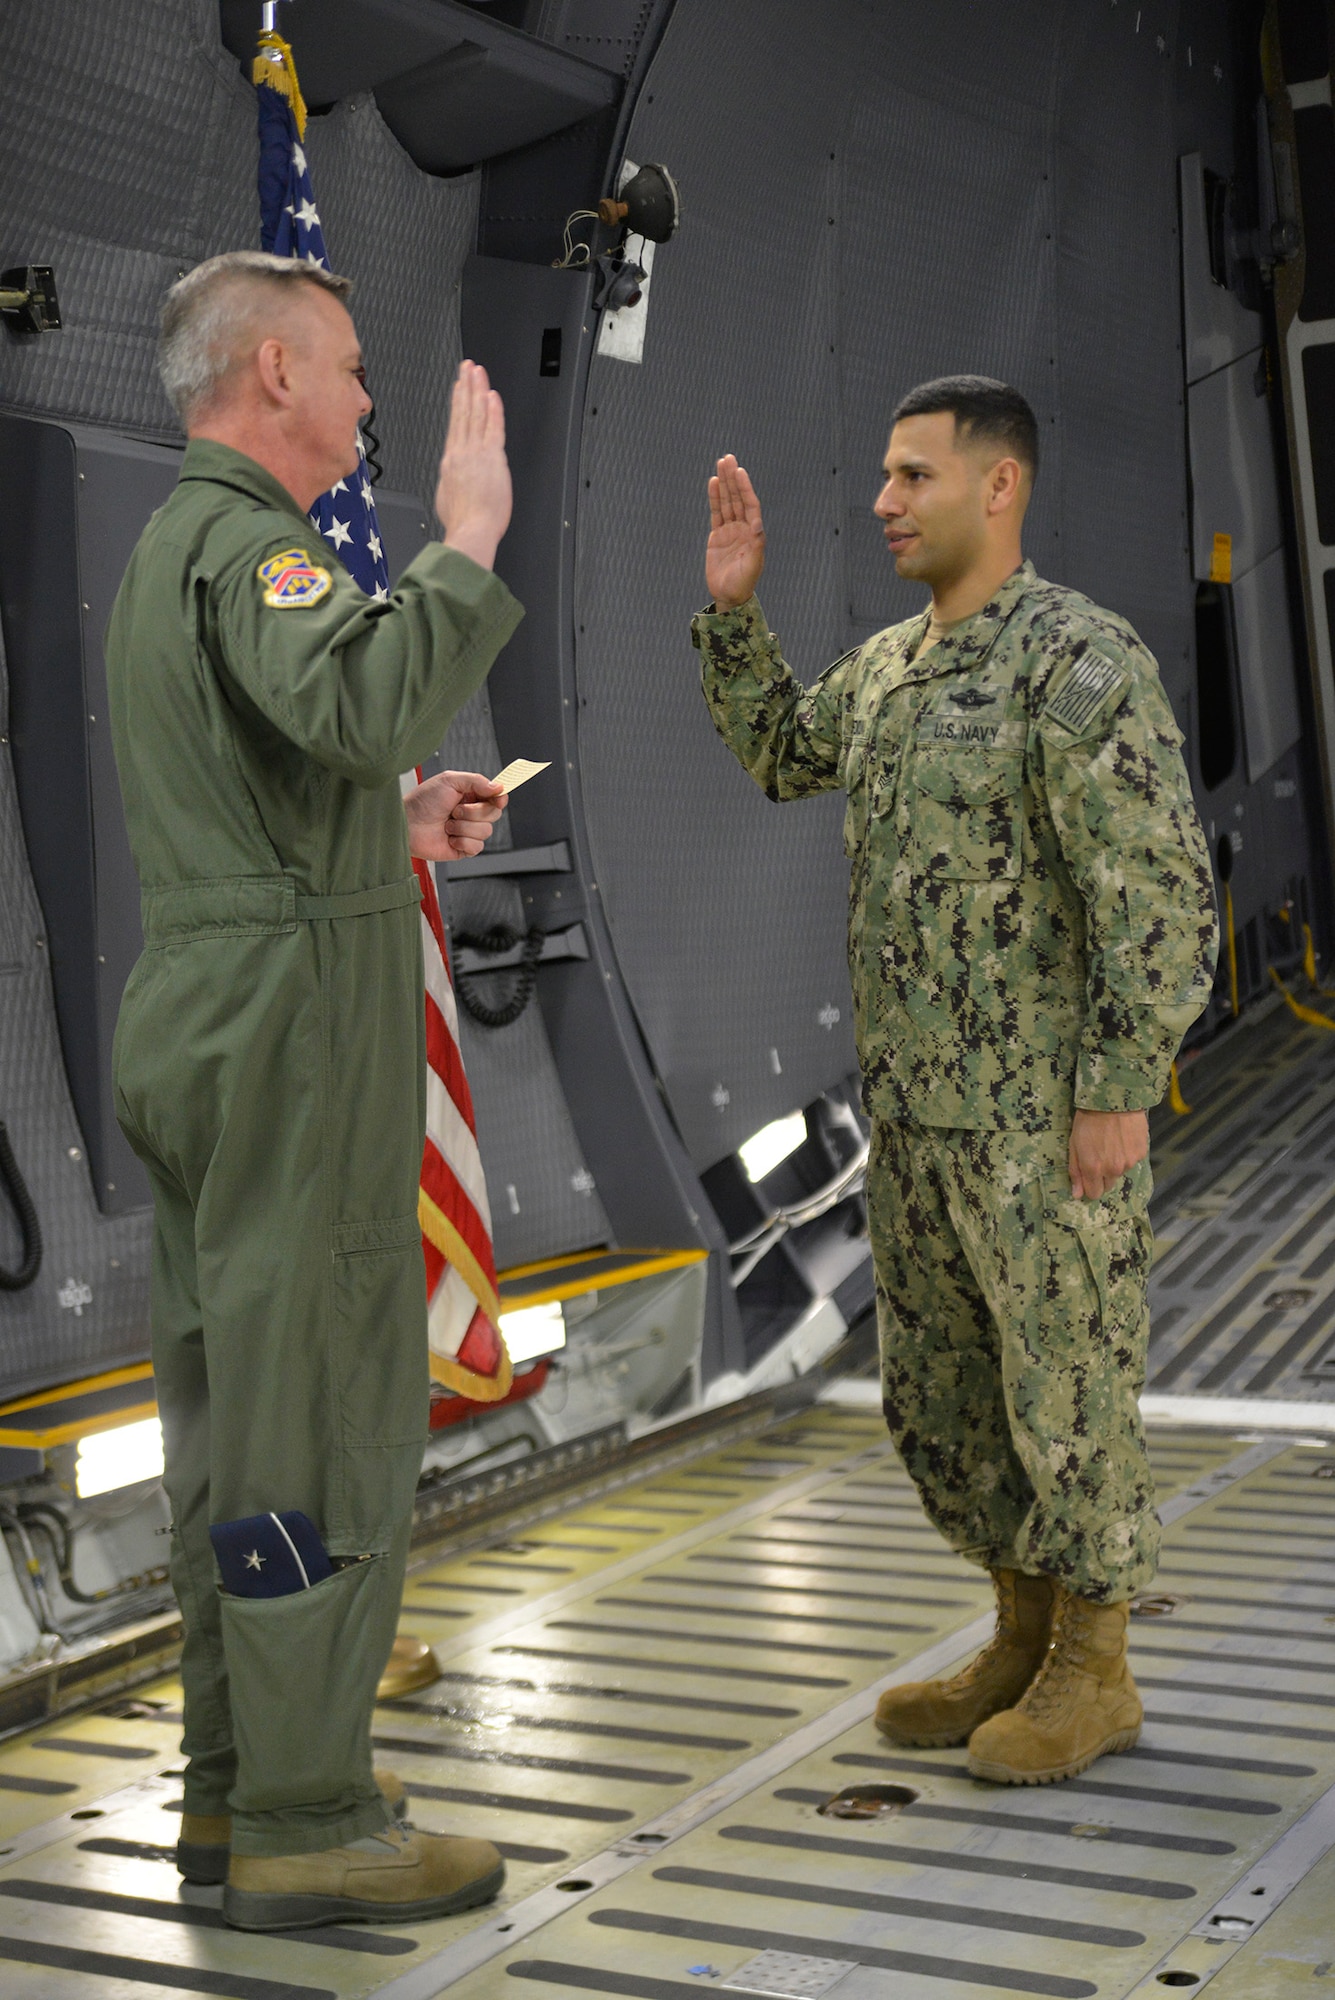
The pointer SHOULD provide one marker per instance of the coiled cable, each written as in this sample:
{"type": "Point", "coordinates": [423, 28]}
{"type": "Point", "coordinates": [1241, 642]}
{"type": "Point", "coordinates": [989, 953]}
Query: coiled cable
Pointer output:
{"type": "Point", "coordinates": [496, 940]}
{"type": "Point", "coordinates": [18, 1281]}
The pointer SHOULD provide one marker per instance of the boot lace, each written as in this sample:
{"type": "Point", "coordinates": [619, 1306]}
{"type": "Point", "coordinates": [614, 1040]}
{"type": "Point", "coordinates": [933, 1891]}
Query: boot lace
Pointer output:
{"type": "Point", "coordinates": [1066, 1659]}
{"type": "Point", "coordinates": [1005, 1639]}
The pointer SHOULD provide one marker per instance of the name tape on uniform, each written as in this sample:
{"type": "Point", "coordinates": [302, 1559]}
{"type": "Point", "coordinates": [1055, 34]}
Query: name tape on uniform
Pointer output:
{"type": "Point", "coordinates": [518, 773]}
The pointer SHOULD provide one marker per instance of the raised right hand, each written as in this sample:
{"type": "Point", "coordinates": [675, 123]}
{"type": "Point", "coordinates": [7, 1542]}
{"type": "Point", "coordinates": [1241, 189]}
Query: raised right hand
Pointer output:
{"type": "Point", "coordinates": [735, 554]}
{"type": "Point", "coordinates": [473, 495]}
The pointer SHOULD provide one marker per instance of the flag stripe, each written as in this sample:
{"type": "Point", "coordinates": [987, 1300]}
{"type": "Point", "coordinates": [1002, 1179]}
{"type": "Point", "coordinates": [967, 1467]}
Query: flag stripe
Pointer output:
{"type": "Point", "coordinates": [441, 1184]}
{"type": "Point", "coordinates": [447, 1132]}
{"type": "Point", "coordinates": [438, 1228]}
{"type": "Point", "coordinates": [442, 1053]}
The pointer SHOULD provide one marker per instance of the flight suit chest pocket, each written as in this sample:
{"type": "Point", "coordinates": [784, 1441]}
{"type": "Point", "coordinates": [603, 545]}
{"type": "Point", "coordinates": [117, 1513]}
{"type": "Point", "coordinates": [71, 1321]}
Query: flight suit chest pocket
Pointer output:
{"type": "Point", "coordinates": [966, 804]}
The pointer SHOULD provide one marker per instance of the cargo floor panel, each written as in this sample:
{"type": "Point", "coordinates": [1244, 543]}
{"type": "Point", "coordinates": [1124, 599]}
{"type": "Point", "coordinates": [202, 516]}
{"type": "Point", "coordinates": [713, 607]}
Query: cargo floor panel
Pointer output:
{"type": "Point", "coordinates": [648, 1722]}
{"type": "Point", "coordinates": [967, 1888]}
{"type": "Point", "coordinates": [1242, 1295]}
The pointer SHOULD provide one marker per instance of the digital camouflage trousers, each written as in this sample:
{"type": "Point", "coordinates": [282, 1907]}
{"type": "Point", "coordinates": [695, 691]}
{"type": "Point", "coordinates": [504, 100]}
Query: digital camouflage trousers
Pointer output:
{"type": "Point", "coordinates": [1013, 1330]}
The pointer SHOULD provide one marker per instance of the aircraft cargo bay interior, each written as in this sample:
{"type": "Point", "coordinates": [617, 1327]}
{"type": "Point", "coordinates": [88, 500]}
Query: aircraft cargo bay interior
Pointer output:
{"type": "Point", "coordinates": [872, 1530]}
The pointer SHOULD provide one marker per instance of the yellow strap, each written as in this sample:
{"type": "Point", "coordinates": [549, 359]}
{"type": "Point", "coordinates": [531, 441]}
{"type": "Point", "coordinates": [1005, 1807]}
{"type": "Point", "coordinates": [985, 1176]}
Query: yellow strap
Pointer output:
{"type": "Point", "coordinates": [1309, 966]}
{"type": "Point", "coordinates": [1177, 1102]}
{"type": "Point", "coordinates": [1308, 1014]}
{"type": "Point", "coordinates": [274, 66]}
{"type": "Point", "coordinates": [1232, 951]}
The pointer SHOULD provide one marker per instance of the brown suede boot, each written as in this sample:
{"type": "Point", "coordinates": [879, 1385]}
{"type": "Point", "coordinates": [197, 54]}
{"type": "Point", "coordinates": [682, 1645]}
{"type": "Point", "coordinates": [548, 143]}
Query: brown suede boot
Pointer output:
{"type": "Point", "coordinates": [411, 1665]}
{"type": "Point", "coordinates": [1081, 1704]}
{"type": "Point", "coordinates": [204, 1847]}
{"type": "Point", "coordinates": [395, 1877]}
{"type": "Point", "coordinates": [930, 1714]}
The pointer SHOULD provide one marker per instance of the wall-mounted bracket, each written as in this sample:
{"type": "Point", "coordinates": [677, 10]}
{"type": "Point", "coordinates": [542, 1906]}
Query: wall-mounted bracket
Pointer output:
{"type": "Point", "coordinates": [28, 301]}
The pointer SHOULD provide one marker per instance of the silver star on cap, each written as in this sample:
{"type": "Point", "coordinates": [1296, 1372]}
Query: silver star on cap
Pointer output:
{"type": "Point", "coordinates": [254, 1560]}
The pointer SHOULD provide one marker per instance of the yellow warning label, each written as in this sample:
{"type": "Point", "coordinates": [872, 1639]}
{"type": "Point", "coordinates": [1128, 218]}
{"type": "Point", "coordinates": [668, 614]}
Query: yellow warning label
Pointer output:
{"type": "Point", "coordinates": [1221, 559]}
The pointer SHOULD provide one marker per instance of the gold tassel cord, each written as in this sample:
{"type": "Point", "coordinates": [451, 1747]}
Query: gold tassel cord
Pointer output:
{"type": "Point", "coordinates": [1232, 951]}
{"type": "Point", "coordinates": [275, 68]}
{"type": "Point", "coordinates": [1177, 1102]}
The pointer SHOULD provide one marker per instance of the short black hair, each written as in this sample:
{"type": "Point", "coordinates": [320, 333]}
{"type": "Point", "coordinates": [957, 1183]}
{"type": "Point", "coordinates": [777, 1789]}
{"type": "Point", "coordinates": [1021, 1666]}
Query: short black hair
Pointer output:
{"type": "Point", "coordinates": [983, 408]}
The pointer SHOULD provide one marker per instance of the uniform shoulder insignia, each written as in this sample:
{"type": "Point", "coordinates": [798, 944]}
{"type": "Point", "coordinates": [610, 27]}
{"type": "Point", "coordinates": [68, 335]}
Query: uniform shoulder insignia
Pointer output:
{"type": "Point", "coordinates": [1086, 690]}
{"type": "Point", "coordinates": [292, 581]}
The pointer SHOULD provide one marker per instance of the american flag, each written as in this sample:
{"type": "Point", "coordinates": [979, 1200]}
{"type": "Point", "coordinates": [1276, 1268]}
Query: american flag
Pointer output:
{"type": "Point", "coordinates": [463, 1324]}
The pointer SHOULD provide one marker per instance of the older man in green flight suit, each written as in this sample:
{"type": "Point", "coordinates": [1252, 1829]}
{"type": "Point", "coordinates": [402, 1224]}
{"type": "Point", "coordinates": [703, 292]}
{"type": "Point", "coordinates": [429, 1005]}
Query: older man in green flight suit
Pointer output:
{"type": "Point", "coordinates": [1031, 932]}
{"type": "Point", "coordinates": [270, 1065]}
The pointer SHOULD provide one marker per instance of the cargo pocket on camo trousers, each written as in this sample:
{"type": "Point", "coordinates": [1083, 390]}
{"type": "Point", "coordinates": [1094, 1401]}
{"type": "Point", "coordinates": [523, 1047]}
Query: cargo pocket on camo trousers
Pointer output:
{"type": "Point", "coordinates": [1092, 1334]}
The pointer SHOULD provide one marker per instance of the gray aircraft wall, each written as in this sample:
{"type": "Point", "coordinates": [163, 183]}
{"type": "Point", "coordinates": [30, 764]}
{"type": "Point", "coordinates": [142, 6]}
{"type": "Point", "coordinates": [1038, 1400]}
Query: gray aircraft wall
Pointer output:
{"type": "Point", "coordinates": [127, 155]}
{"type": "Point", "coordinates": [873, 192]}
{"type": "Point", "coordinates": [910, 192]}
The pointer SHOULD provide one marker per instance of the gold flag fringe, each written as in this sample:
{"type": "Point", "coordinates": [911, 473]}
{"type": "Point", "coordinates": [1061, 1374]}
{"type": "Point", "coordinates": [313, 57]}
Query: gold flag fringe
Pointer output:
{"type": "Point", "coordinates": [274, 66]}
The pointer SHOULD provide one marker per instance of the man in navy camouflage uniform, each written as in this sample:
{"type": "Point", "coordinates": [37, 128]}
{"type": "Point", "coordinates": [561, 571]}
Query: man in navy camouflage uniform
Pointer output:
{"type": "Point", "coordinates": [1031, 932]}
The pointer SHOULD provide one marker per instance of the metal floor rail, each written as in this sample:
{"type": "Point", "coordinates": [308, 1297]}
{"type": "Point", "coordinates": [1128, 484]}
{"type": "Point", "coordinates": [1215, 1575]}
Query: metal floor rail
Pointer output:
{"type": "Point", "coordinates": [646, 1701]}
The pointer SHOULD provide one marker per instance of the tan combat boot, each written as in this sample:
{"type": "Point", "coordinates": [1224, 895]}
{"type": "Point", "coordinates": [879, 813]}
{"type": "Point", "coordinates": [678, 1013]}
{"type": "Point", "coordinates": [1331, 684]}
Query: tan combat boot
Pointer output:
{"type": "Point", "coordinates": [930, 1714]}
{"type": "Point", "coordinates": [1082, 1703]}
{"type": "Point", "coordinates": [204, 1847]}
{"type": "Point", "coordinates": [395, 1877]}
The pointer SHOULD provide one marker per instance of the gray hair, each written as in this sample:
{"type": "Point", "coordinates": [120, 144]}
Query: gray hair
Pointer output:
{"type": "Point", "coordinates": [208, 314]}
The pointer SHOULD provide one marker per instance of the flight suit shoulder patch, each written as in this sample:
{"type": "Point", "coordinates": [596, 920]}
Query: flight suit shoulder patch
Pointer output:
{"type": "Point", "coordinates": [292, 581]}
{"type": "Point", "coordinates": [1092, 688]}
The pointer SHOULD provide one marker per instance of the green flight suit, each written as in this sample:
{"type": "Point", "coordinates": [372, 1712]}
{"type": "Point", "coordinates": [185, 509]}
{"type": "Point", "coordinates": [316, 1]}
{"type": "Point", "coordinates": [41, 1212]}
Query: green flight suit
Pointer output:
{"type": "Point", "coordinates": [269, 1068]}
{"type": "Point", "coordinates": [1031, 930]}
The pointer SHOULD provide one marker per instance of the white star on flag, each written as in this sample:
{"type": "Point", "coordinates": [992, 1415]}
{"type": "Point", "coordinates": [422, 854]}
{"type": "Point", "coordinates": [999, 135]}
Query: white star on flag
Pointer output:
{"type": "Point", "coordinates": [380, 594]}
{"type": "Point", "coordinates": [338, 533]}
{"type": "Point", "coordinates": [308, 216]}
{"type": "Point", "coordinates": [373, 544]}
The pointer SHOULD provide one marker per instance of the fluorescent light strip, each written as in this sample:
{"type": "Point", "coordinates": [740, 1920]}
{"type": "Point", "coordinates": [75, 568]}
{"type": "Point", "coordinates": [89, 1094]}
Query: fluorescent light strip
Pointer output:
{"type": "Point", "coordinates": [1251, 1413]}
{"type": "Point", "coordinates": [531, 1331]}
{"type": "Point", "coordinates": [120, 1457]}
{"type": "Point", "coordinates": [763, 1151]}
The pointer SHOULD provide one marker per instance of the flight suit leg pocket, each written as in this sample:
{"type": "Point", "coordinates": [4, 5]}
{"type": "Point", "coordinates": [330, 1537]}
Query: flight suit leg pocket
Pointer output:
{"type": "Point", "coordinates": [380, 1355]}
{"type": "Point", "coordinates": [302, 1671]}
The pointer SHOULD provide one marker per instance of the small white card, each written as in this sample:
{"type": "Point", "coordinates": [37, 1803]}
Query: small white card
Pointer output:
{"type": "Point", "coordinates": [518, 773]}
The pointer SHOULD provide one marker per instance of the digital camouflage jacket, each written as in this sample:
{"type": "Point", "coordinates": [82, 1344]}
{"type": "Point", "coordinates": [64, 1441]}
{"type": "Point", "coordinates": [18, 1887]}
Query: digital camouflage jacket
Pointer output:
{"type": "Point", "coordinates": [1031, 914]}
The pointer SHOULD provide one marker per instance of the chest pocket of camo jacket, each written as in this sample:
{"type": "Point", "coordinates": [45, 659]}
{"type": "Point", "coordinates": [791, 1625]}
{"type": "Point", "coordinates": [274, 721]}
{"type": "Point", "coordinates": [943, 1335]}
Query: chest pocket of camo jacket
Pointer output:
{"type": "Point", "coordinates": [966, 804]}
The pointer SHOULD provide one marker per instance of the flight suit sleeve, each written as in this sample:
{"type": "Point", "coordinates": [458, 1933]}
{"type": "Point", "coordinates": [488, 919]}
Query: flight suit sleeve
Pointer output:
{"type": "Point", "coordinates": [1109, 754]}
{"type": "Point", "coordinates": [367, 689]}
{"type": "Point", "coordinates": [790, 738]}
